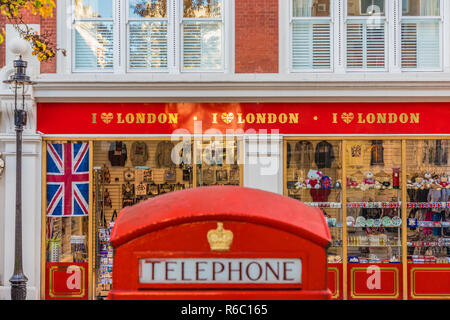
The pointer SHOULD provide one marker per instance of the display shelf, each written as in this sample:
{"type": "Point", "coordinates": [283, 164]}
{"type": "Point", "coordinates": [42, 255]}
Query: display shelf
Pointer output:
{"type": "Point", "coordinates": [428, 205]}
{"type": "Point", "coordinates": [374, 205]}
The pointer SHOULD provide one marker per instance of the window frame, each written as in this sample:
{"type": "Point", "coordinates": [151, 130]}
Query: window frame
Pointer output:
{"type": "Point", "coordinates": [290, 35]}
{"type": "Point", "coordinates": [72, 32]}
{"type": "Point", "coordinates": [440, 20]}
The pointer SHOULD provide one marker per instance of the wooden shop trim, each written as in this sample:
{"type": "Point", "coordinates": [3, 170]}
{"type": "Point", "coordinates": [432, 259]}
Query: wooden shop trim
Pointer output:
{"type": "Point", "coordinates": [43, 217]}
{"type": "Point", "coordinates": [90, 273]}
{"type": "Point", "coordinates": [344, 220]}
{"type": "Point", "coordinates": [404, 224]}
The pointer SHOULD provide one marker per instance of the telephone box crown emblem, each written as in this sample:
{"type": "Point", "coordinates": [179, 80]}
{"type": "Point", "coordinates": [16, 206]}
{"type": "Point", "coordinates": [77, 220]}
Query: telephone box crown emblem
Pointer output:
{"type": "Point", "coordinates": [220, 239]}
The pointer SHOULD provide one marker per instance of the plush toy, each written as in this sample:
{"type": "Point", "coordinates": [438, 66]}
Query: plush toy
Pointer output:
{"type": "Point", "coordinates": [419, 184]}
{"type": "Point", "coordinates": [436, 184]}
{"type": "Point", "coordinates": [409, 184]}
{"type": "Point", "coordinates": [313, 180]}
{"type": "Point", "coordinates": [444, 182]}
{"type": "Point", "coordinates": [325, 182]}
{"type": "Point", "coordinates": [352, 183]}
{"type": "Point", "coordinates": [369, 180]}
{"type": "Point", "coordinates": [378, 185]}
{"type": "Point", "coordinates": [428, 181]}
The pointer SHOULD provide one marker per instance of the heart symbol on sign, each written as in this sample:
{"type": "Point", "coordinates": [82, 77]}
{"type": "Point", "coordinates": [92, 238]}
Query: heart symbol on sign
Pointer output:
{"type": "Point", "coordinates": [107, 117]}
{"type": "Point", "coordinates": [347, 117]}
{"type": "Point", "coordinates": [227, 117]}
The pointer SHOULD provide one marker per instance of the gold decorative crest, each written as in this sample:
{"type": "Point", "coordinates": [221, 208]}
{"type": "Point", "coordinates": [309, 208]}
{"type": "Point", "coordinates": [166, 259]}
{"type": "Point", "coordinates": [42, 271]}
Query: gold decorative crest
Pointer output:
{"type": "Point", "coordinates": [220, 239]}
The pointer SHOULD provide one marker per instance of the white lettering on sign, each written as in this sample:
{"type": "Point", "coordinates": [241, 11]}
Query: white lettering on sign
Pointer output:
{"type": "Point", "coordinates": [197, 270]}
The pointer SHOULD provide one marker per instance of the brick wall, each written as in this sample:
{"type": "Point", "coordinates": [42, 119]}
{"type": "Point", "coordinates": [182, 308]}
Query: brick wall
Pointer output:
{"type": "Point", "coordinates": [47, 25]}
{"type": "Point", "coordinates": [256, 36]}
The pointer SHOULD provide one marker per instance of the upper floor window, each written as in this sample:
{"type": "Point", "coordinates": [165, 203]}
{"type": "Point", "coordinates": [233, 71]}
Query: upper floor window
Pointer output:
{"type": "Point", "coordinates": [311, 35]}
{"type": "Point", "coordinates": [93, 35]}
{"type": "Point", "coordinates": [161, 35]}
{"type": "Point", "coordinates": [366, 34]}
{"type": "Point", "coordinates": [421, 34]}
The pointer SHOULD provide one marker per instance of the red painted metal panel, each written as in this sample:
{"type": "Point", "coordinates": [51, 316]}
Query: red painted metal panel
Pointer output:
{"type": "Point", "coordinates": [335, 282]}
{"type": "Point", "coordinates": [374, 281]}
{"type": "Point", "coordinates": [429, 281]}
{"type": "Point", "coordinates": [66, 281]}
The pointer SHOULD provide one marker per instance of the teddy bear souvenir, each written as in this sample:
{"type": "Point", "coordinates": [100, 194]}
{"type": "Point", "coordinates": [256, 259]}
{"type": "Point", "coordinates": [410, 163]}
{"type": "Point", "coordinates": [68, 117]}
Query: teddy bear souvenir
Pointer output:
{"type": "Point", "coordinates": [428, 181]}
{"type": "Point", "coordinates": [313, 179]}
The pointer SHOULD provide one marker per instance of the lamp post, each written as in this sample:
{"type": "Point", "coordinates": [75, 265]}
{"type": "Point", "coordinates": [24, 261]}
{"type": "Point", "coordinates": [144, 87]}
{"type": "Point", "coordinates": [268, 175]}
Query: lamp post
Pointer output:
{"type": "Point", "coordinates": [18, 82]}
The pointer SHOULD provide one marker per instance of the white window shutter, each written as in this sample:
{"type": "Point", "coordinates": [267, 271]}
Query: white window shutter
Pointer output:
{"type": "Point", "coordinates": [366, 45]}
{"type": "Point", "coordinates": [311, 45]}
{"type": "Point", "coordinates": [421, 45]}
{"type": "Point", "coordinates": [202, 45]}
{"type": "Point", "coordinates": [94, 45]}
{"type": "Point", "coordinates": [147, 45]}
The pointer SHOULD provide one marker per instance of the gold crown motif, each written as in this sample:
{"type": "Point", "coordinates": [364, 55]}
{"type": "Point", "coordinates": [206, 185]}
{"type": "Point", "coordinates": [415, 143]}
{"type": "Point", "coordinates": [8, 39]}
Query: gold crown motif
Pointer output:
{"type": "Point", "coordinates": [220, 239]}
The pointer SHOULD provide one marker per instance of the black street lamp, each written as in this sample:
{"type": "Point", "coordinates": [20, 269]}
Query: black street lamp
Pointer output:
{"type": "Point", "coordinates": [18, 81]}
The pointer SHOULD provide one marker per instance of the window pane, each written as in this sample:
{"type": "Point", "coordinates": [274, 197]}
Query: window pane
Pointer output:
{"type": "Point", "coordinates": [311, 45]}
{"type": "Point", "coordinates": [148, 8]}
{"type": "Point", "coordinates": [148, 45]}
{"type": "Point", "coordinates": [420, 45]}
{"type": "Point", "coordinates": [202, 8]}
{"type": "Point", "coordinates": [94, 45]}
{"type": "Point", "coordinates": [365, 7]}
{"type": "Point", "coordinates": [421, 7]}
{"type": "Point", "coordinates": [365, 46]}
{"type": "Point", "coordinates": [202, 45]}
{"type": "Point", "coordinates": [311, 8]}
{"type": "Point", "coordinates": [93, 8]}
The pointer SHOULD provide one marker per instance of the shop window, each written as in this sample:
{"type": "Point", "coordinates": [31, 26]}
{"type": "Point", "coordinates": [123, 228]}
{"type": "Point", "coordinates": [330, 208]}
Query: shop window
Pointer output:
{"type": "Point", "coordinates": [428, 189]}
{"type": "Point", "coordinates": [126, 173]}
{"type": "Point", "coordinates": [313, 175]}
{"type": "Point", "coordinates": [93, 35]}
{"type": "Point", "coordinates": [311, 35]}
{"type": "Point", "coordinates": [366, 35]}
{"type": "Point", "coordinates": [374, 219]}
{"type": "Point", "coordinates": [421, 35]}
{"type": "Point", "coordinates": [218, 161]}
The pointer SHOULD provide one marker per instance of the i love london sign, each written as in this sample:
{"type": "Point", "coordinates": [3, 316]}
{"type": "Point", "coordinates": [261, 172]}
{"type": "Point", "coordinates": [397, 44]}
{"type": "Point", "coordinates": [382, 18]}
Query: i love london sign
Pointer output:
{"type": "Point", "coordinates": [387, 118]}
{"type": "Point", "coordinates": [219, 271]}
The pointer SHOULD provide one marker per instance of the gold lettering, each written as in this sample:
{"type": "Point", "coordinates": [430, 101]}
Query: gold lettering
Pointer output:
{"type": "Point", "coordinates": [173, 117]}
{"type": "Point", "coordinates": [214, 118]}
{"type": "Point", "coordinates": [334, 117]}
{"type": "Point", "coordinates": [250, 118]}
{"type": "Point", "coordinates": [129, 118]}
{"type": "Point", "coordinates": [240, 119]}
{"type": "Point", "coordinates": [261, 118]}
{"type": "Point", "coordinates": [415, 117]}
{"type": "Point", "coordinates": [293, 117]}
{"type": "Point", "coordinates": [272, 118]}
{"type": "Point", "coordinates": [119, 118]}
{"type": "Point", "coordinates": [381, 117]}
{"type": "Point", "coordinates": [360, 118]}
{"type": "Point", "coordinates": [162, 118]}
{"type": "Point", "coordinates": [370, 118]}
{"type": "Point", "coordinates": [392, 118]}
{"type": "Point", "coordinates": [403, 118]}
{"type": "Point", "coordinates": [140, 117]}
{"type": "Point", "coordinates": [283, 118]}
{"type": "Point", "coordinates": [151, 118]}
{"type": "Point", "coordinates": [94, 118]}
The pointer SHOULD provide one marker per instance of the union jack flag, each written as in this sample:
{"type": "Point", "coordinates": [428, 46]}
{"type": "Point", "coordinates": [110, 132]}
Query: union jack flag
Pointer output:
{"type": "Point", "coordinates": [67, 179]}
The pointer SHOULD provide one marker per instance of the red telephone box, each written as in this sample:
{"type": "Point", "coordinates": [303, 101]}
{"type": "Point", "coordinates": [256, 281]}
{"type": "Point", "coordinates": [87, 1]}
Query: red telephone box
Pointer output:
{"type": "Point", "coordinates": [264, 245]}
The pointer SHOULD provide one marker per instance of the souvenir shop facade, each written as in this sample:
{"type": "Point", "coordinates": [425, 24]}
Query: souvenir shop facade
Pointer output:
{"type": "Point", "coordinates": [380, 172]}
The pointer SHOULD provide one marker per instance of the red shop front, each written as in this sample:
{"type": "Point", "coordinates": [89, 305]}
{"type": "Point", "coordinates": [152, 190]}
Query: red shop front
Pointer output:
{"type": "Point", "coordinates": [378, 171]}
